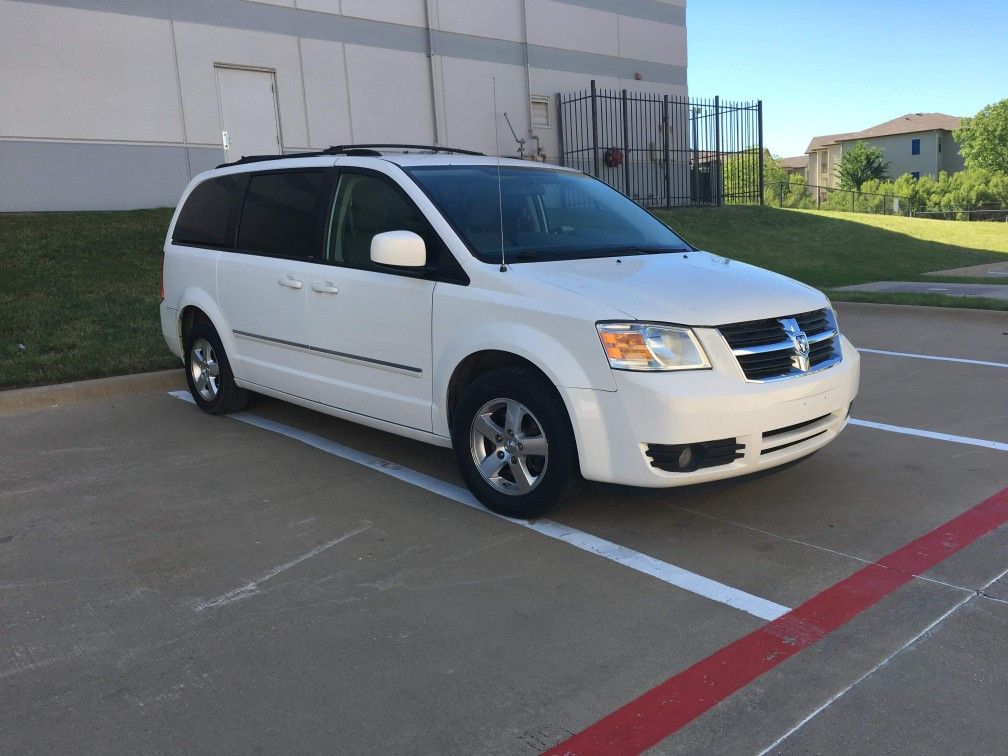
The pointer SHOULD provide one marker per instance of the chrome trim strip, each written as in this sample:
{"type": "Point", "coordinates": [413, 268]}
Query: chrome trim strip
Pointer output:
{"type": "Point", "coordinates": [781, 346]}
{"type": "Point", "coordinates": [370, 361]}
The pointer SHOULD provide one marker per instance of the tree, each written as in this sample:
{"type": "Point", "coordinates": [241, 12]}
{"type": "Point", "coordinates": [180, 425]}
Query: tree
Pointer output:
{"type": "Point", "coordinates": [740, 181]}
{"type": "Point", "coordinates": [861, 163]}
{"type": "Point", "coordinates": [983, 139]}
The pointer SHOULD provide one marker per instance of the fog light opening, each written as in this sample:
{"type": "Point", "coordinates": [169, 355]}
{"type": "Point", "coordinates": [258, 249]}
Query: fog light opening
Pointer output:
{"type": "Point", "coordinates": [686, 458]}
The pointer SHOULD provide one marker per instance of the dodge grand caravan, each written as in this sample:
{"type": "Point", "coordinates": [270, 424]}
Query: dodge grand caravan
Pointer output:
{"type": "Point", "coordinates": [538, 322]}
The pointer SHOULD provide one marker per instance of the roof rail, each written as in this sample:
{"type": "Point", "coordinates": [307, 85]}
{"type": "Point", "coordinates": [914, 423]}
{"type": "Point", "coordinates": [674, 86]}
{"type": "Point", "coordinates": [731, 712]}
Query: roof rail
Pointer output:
{"type": "Point", "coordinates": [361, 150]}
{"type": "Point", "coordinates": [264, 158]}
{"type": "Point", "coordinates": [341, 149]}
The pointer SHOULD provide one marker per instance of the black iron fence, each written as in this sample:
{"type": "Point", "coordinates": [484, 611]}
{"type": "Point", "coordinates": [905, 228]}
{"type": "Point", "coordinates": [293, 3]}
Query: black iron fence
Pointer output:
{"type": "Point", "coordinates": [798, 194]}
{"type": "Point", "coordinates": [997, 214]}
{"type": "Point", "coordinates": [663, 150]}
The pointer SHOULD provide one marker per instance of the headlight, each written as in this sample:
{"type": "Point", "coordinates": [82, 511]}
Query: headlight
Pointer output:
{"type": "Point", "coordinates": [644, 346]}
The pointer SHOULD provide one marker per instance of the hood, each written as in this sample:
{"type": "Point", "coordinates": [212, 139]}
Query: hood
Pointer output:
{"type": "Point", "coordinates": [692, 288]}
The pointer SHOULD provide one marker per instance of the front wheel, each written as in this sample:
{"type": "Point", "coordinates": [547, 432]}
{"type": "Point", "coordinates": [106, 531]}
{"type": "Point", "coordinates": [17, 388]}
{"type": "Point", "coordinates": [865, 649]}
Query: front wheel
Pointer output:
{"type": "Point", "coordinates": [514, 443]}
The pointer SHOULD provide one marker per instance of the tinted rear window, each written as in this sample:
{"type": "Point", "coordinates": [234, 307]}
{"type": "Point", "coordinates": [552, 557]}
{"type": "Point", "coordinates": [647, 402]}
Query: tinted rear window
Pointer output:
{"type": "Point", "coordinates": [210, 214]}
{"type": "Point", "coordinates": [283, 214]}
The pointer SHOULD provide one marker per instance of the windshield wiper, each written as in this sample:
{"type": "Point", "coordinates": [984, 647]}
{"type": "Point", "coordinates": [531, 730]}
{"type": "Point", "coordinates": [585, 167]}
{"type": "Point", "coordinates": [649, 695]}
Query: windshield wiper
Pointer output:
{"type": "Point", "coordinates": [641, 251]}
{"type": "Point", "coordinates": [525, 256]}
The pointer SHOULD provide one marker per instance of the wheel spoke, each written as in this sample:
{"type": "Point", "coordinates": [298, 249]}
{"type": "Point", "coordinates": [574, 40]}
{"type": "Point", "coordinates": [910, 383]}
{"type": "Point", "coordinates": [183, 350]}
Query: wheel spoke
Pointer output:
{"type": "Point", "coordinates": [490, 466]}
{"type": "Point", "coordinates": [201, 381]}
{"type": "Point", "coordinates": [213, 369]}
{"type": "Point", "coordinates": [533, 446]}
{"type": "Point", "coordinates": [488, 428]}
{"type": "Point", "coordinates": [514, 416]}
{"type": "Point", "coordinates": [524, 480]}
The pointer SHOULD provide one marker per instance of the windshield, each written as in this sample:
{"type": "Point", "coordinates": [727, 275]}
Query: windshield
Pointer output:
{"type": "Point", "coordinates": [548, 214]}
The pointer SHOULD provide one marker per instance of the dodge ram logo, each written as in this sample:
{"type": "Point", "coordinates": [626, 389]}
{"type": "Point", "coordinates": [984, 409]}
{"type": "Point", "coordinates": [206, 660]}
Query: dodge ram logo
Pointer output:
{"type": "Point", "coordinates": [800, 342]}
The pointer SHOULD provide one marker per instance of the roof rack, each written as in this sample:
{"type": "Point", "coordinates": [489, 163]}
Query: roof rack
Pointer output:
{"type": "Point", "coordinates": [349, 148]}
{"type": "Point", "coordinates": [359, 150]}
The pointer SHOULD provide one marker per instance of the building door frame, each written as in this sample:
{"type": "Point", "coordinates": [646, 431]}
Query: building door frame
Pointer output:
{"type": "Point", "coordinates": [220, 104]}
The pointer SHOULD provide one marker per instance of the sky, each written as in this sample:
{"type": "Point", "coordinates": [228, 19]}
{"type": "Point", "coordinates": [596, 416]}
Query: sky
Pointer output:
{"type": "Point", "coordinates": [828, 67]}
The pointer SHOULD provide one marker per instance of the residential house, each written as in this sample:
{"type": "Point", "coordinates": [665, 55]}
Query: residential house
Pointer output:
{"type": "Point", "coordinates": [795, 166]}
{"type": "Point", "coordinates": [920, 144]}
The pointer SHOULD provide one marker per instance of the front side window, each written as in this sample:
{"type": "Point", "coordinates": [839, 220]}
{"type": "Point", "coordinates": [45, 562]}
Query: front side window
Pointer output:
{"type": "Point", "coordinates": [210, 214]}
{"type": "Point", "coordinates": [915, 146]}
{"type": "Point", "coordinates": [283, 214]}
{"type": "Point", "coordinates": [547, 214]}
{"type": "Point", "coordinates": [365, 206]}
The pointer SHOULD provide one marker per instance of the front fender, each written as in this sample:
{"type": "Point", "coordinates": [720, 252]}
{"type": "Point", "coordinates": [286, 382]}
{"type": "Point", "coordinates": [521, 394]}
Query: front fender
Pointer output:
{"type": "Point", "coordinates": [577, 363]}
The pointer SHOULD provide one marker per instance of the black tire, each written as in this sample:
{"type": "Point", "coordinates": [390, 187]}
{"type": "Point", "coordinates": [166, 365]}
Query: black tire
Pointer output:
{"type": "Point", "coordinates": [559, 479]}
{"type": "Point", "coordinates": [228, 396]}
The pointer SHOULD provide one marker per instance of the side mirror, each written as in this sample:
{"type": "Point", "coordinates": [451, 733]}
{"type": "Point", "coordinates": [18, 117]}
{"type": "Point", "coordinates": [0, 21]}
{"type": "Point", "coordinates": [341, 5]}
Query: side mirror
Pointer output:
{"type": "Point", "coordinates": [402, 249]}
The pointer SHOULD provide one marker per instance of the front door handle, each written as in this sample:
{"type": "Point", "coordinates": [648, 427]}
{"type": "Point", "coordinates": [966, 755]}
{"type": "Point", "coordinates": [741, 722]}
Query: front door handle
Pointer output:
{"type": "Point", "coordinates": [324, 288]}
{"type": "Point", "coordinates": [290, 282]}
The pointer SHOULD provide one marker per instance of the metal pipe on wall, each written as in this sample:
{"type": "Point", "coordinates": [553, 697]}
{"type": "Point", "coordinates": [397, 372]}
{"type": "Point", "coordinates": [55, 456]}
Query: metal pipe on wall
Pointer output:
{"type": "Point", "coordinates": [432, 67]}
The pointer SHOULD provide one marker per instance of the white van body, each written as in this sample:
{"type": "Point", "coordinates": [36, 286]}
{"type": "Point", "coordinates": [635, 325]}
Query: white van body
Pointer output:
{"type": "Point", "coordinates": [389, 350]}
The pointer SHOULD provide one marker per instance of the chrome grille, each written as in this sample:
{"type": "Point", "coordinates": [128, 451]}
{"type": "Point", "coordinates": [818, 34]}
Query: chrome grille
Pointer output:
{"type": "Point", "coordinates": [765, 350]}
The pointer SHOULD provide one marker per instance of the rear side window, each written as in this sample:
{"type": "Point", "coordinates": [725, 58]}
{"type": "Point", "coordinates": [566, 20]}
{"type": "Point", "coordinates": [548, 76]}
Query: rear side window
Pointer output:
{"type": "Point", "coordinates": [209, 217]}
{"type": "Point", "coordinates": [283, 214]}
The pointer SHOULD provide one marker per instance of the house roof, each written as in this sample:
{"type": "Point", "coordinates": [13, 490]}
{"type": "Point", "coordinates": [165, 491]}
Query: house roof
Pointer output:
{"type": "Point", "coordinates": [905, 124]}
{"type": "Point", "coordinates": [825, 140]}
{"type": "Point", "coordinates": [798, 161]}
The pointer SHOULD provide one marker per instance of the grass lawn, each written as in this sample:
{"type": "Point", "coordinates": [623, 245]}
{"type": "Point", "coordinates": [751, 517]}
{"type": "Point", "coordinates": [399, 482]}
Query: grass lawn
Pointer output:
{"type": "Point", "coordinates": [79, 291]}
{"type": "Point", "coordinates": [827, 249]}
{"type": "Point", "coordinates": [79, 295]}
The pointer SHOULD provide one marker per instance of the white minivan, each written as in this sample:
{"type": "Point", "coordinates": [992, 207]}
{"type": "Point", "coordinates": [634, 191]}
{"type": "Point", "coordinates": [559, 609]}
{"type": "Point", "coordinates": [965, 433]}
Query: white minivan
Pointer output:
{"type": "Point", "coordinates": [537, 321]}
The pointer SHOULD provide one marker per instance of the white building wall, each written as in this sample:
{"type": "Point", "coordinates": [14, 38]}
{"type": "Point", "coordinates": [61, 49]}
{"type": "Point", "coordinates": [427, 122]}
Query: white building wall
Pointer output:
{"type": "Point", "coordinates": [115, 105]}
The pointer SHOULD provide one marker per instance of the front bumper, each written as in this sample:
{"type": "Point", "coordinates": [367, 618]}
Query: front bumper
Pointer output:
{"type": "Point", "coordinates": [613, 429]}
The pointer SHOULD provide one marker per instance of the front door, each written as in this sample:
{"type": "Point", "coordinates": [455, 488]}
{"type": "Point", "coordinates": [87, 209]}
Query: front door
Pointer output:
{"type": "Point", "coordinates": [369, 326]}
{"type": "Point", "coordinates": [250, 123]}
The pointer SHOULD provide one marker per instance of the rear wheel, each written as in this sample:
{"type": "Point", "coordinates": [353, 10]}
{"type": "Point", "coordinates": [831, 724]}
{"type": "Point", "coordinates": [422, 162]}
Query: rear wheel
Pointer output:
{"type": "Point", "coordinates": [514, 443]}
{"type": "Point", "coordinates": [208, 372]}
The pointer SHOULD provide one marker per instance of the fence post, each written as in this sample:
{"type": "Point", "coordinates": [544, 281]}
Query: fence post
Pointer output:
{"type": "Point", "coordinates": [626, 148]}
{"type": "Point", "coordinates": [717, 150]}
{"type": "Point", "coordinates": [560, 130]}
{"type": "Point", "coordinates": [594, 108]}
{"type": "Point", "coordinates": [759, 117]}
{"type": "Point", "coordinates": [852, 200]}
{"type": "Point", "coordinates": [665, 153]}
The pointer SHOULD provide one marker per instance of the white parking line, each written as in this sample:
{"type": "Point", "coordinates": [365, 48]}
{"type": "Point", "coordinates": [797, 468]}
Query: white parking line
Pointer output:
{"type": "Point", "coordinates": [934, 357]}
{"type": "Point", "coordinates": [997, 445]}
{"type": "Point", "coordinates": [635, 560]}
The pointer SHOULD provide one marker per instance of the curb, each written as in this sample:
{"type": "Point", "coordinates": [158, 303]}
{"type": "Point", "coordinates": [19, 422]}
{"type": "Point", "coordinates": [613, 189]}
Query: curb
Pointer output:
{"type": "Point", "coordinates": [48, 397]}
{"type": "Point", "coordinates": [961, 313]}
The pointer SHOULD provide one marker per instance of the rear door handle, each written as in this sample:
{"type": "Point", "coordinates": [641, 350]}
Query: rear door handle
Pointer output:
{"type": "Point", "coordinates": [324, 288]}
{"type": "Point", "coordinates": [290, 282]}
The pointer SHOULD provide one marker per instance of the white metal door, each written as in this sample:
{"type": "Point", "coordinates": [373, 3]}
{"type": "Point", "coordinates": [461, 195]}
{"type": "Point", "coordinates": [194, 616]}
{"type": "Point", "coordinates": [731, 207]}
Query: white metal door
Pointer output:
{"type": "Point", "coordinates": [250, 124]}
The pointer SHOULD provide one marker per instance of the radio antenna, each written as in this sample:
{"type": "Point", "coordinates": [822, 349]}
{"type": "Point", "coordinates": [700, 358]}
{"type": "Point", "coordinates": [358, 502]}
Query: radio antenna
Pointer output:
{"type": "Point", "coordinates": [500, 191]}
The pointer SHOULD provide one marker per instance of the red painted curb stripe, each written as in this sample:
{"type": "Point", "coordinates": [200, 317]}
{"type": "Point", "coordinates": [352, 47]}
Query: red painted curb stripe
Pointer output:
{"type": "Point", "coordinates": [666, 708]}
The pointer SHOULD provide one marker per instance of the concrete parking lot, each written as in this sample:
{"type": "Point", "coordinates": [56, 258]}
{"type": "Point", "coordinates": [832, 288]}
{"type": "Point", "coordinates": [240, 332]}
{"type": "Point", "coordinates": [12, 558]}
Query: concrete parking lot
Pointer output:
{"type": "Point", "coordinates": [285, 581]}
